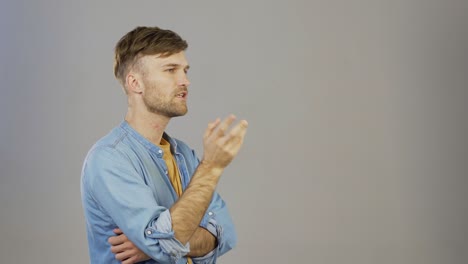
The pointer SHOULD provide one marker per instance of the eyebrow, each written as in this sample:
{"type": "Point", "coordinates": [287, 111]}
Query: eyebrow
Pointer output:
{"type": "Point", "coordinates": [175, 65]}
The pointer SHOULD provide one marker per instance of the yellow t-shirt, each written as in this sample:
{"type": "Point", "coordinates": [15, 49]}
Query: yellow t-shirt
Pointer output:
{"type": "Point", "coordinates": [172, 171]}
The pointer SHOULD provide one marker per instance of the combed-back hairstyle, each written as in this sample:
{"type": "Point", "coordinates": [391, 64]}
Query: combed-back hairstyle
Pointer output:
{"type": "Point", "coordinates": [144, 41]}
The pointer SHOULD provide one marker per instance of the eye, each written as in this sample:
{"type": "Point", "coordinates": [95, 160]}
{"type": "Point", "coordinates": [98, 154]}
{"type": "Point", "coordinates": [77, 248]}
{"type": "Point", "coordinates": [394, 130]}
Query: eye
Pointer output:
{"type": "Point", "coordinates": [171, 70]}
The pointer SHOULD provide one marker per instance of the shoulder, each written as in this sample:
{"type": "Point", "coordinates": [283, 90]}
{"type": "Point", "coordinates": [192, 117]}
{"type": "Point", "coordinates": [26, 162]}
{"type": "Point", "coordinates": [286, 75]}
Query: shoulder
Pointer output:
{"type": "Point", "coordinates": [109, 144]}
{"type": "Point", "coordinates": [106, 152]}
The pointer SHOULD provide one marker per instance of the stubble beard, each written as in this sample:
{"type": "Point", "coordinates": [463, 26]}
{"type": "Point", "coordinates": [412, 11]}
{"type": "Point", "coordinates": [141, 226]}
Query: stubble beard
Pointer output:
{"type": "Point", "coordinates": [155, 104]}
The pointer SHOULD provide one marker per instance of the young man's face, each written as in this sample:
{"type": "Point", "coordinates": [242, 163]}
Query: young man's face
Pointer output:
{"type": "Point", "coordinates": [165, 83]}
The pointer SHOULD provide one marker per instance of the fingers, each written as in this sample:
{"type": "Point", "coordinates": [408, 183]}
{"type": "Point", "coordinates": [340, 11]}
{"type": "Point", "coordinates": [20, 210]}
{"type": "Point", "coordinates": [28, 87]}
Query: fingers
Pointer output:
{"type": "Point", "coordinates": [117, 240]}
{"type": "Point", "coordinates": [124, 255]}
{"type": "Point", "coordinates": [124, 250]}
{"type": "Point", "coordinates": [118, 248]}
{"type": "Point", "coordinates": [211, 127]}
{"type": "Point", "coordinates": [222, 143]}
{"type": "Point", "coordinates": [239, 130]}
{"type": "Point", "coordinates": [221, 127]}
{"type": "Point", "coordinates": [236, 134]}
{"type": "Point", "coordinates": [225, 124]}
{"type": "Point", "coordinates": [130, 260]}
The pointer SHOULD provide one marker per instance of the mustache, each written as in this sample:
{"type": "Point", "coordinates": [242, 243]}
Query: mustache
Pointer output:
{"type": "Point", "coordinates": [181, 90]}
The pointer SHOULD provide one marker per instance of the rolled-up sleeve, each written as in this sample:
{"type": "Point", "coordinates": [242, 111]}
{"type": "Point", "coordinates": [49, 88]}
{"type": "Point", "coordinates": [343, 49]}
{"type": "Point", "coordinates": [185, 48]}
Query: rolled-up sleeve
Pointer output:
{"type": "Point", "coordinates": [218, 222]}
{"type": "Point", "coordinates": [122, 195]}
{"type": "Point", "coordinates": [162, 229]}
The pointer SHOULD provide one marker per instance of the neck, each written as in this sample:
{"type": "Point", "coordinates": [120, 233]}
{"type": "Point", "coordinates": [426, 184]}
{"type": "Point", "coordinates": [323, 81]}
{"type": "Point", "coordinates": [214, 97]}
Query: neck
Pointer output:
{"type": "Point", "coordinates": [149, 125]}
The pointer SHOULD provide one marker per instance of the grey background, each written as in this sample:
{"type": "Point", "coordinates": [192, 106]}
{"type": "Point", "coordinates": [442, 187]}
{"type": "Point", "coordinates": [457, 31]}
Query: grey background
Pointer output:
{"type": "Point", "coordinates": [356, 150]}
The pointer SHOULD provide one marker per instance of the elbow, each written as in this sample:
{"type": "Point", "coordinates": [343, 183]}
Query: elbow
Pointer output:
{"type": "Point", "coordinates": [230, 242]}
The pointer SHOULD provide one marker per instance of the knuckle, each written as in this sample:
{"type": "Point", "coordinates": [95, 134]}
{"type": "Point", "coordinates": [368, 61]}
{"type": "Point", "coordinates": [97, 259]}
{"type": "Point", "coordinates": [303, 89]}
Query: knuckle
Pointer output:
{"type": "Point", "coordinates": [233, 133]}
{"type": "Point", "coordinates": [230, 154]}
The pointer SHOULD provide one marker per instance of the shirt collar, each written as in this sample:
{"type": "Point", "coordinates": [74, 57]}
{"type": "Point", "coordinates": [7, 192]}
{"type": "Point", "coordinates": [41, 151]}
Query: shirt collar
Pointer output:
{"type": "Point", "coordinates": [145, 142]}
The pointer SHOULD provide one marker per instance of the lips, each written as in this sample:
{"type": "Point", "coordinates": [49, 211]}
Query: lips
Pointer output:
{"type": "Point", "coordinates": [182, 94]}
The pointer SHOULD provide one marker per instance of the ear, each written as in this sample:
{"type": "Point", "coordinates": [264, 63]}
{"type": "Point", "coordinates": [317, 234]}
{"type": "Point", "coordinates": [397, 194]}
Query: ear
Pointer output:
{"type": "Point", "coordinates": [133, 84]}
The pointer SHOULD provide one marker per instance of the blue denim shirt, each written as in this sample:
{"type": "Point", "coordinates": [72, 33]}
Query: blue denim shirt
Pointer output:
{"type": "Point", "coordinates": [124, 184]}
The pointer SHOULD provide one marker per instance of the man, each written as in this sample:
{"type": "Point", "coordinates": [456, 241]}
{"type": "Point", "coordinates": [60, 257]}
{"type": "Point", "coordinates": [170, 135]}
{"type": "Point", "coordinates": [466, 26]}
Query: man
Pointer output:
{"type": "Point", "coordinates": [145, 195]}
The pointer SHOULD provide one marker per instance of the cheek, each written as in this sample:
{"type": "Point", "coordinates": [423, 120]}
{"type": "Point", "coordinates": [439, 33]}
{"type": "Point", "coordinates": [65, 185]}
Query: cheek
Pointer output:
{"type": "Point", "coordinates": [150, 86]}
{"type": "Point", "coordinates": [161, 86]}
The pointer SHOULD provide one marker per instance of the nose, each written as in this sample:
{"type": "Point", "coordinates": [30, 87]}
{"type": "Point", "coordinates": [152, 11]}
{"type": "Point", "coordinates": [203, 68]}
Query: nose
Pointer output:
{"type": "Point", "coordinates": [184, 81]}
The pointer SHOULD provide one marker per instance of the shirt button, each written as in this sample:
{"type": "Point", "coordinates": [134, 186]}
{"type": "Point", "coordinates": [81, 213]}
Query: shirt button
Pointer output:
{"type": "Point", "coordinates": [210, 213]}
{"type": "Point", "coordinates": [166, 172]}
{"type": "Point", "coordinates": [149, 232]}
{"type": "Point", "coordinates": [159, 151]}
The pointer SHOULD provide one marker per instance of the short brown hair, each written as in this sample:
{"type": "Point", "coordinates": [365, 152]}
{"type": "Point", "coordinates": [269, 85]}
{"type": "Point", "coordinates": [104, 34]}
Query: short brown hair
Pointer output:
{"type": "Point", "coordinates": [144, 41]}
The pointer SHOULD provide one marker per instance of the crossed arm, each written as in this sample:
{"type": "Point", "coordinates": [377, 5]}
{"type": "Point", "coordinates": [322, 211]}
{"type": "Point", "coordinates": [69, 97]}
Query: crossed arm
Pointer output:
{"type": "Point", "coordinates": [201, 243]}
{"type": "Point", "coordinates": [219, 150]}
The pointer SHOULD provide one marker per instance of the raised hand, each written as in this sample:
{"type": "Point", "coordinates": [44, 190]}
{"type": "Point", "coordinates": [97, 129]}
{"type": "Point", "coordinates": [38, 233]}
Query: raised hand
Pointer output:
{"type": "Point", "coordinates": [222, 145]}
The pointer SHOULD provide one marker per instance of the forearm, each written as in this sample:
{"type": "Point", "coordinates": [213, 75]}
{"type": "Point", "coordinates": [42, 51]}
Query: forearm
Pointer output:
{"type": "Point", "coordinates": [188, 211]}
{"type": "Point", "coordinates": [219, 150]}
{"type": "Point", "coordinates": [201, 243]}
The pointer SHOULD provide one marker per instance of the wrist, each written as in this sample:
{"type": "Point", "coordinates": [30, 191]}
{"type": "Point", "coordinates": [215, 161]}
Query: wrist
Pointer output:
{"type": "Point", "coordinates": [211, 168]}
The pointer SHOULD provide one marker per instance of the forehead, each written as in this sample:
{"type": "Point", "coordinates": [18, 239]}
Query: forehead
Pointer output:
{"type": "Point", "coordinates": [174, 59]}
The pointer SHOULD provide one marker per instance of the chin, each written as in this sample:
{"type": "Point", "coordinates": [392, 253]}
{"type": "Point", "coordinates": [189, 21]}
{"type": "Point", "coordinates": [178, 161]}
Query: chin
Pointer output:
{"type": "Point", "coordinates": [181, 113]}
